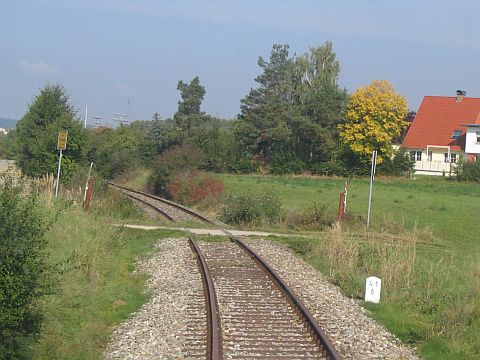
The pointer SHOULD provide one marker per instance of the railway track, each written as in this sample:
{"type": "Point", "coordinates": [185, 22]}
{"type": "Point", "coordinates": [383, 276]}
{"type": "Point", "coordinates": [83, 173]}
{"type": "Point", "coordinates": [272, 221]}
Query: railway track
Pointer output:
{"type": "Point", "coordinates": [251, 312]}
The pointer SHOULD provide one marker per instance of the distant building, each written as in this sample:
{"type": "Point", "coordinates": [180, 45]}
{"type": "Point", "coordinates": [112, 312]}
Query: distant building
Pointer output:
{"type": "Point", "coordinates": [4, 131]}
{"type": "Point", "coordinates": [445, 129]}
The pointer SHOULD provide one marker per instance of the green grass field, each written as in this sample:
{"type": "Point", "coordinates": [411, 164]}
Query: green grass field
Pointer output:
{"type": "Point", "coordinates": [423, 243]}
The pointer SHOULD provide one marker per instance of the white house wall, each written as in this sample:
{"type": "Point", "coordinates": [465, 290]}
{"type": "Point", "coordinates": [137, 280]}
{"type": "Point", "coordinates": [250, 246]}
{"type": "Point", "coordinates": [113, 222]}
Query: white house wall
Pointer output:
{"type": "Point", "coordinates": [471, 145]}
{"type": "Point", "coordinates": [437, 166]}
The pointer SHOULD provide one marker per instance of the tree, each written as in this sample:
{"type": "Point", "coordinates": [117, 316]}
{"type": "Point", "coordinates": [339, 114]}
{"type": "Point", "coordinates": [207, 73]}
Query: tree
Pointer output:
{"type": "Point", "coordinates": [262, 124]}
{"type": "Point", "coordinates": [37, 133]}
{"type": "Point", "coordinates": [291, 120]}
{"type": "Point", "coordinates": [189, 107]}
{"type": "Point", "coordinates": [320, 99]}
{"type": "Point", "coordinates": [115, 152]}
{"type": "Point", "coordinates": [375, 116]}
{"type": "Point", "coordinates": [3, 150]}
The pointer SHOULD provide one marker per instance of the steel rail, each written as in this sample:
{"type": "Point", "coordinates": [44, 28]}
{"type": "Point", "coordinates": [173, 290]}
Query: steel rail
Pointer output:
{"type": "Point", "coordinates": [214, 332]}
{"type": "Point", "coordinates": [321, 338]}
{"type": "Point", "coordinates": [168, 217]}
{"type": "Point", "coordinates": [168, 202]}
{"type": "Point", "coordinates": [323, 342]}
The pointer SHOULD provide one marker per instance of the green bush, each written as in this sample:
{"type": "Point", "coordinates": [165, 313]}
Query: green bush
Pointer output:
{"type": "Point", "coordinates": [243, 164]}
{"type": "Point", "coordinates": [23, 270]}
{"type": "Point", "coordinates": [468, 171]}
{"type": "Point", "coordinates": [251, 208]}
{"type": "Point", "coordinates": [311, 218]}
{"type": "Point", "coordinates": [183, 158]}
{"type": "Point", "coordinates": [286, 163]}
{"type": "Point", "coordinates": [399, 165]}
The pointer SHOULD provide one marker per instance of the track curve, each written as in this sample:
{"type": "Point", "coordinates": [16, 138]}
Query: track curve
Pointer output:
{"type": "Point", "coordinates": [320, 340]}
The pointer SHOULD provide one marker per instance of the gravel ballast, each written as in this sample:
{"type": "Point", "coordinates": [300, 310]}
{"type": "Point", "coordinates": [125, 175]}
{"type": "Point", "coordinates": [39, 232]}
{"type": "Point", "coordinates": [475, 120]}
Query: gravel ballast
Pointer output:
{"type": "Point", "coordinates": [355, 335]}
{"type": "Point", "coordinates": [172, 324]}
{"type": "Point", "coordinates": [162, 328]}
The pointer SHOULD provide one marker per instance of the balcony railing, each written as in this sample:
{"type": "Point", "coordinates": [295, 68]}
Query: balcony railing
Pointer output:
{"type": "Point", "coordinates": [434, 166]}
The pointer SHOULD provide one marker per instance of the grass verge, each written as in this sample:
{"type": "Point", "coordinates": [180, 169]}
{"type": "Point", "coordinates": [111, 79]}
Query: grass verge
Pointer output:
{"type": "Point", "coordinates": [95, 287]}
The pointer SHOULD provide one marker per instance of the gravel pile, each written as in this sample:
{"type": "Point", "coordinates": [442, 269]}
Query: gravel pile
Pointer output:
{"type": "Point", "coordinates": [345, 322]}
{"type": "Point", "coordinates": [172, 325]}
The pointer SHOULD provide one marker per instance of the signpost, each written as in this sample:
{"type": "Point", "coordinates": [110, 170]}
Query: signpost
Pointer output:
{"type": "Point", "coordinates": [372, 176]}
{"type": "Point", "coordinates": [61, 145]}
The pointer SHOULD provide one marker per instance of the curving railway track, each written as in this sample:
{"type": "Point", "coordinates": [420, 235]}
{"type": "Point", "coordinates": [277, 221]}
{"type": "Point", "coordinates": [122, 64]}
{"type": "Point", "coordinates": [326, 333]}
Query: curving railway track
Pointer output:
{"type": "Point", "coordinates": [251, 312]}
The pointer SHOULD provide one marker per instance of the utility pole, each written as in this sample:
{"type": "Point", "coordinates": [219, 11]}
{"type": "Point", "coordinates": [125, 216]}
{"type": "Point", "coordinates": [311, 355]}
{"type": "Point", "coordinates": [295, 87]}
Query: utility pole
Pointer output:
{"type": "Point", "coordinates": [86, 117]}
{"type": "Point", "coordinates": [97, 120]}
{"type": "Point", "coordinates": [120, 118]}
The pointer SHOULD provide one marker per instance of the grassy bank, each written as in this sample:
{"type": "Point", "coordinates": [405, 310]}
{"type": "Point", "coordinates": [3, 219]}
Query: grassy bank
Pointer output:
{"type": "Point", "coordinates": [423, 244]}
{"type": "Point", "coordinates": [94, 284]}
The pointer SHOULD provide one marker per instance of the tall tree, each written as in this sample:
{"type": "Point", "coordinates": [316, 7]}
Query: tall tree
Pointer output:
{"type": "Point", "coordinates": [38, 129]}
{"type": "Point", "coordinates": [375, 116]}
{"type": "Point", "coordinates": [189, 106]}
{"type": "Point", "coordinates": [319, 98]}
{"type": "Point", "coordinates": [262, 123]}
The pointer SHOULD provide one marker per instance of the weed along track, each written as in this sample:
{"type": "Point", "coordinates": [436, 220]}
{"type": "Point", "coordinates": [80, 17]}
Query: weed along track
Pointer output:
{"type": "Point", "coordinates": [251, 313]}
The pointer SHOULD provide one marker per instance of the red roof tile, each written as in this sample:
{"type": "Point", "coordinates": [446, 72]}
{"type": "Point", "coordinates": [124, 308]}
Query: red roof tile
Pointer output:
{"type": "Point", "coordinates": [438, 117]}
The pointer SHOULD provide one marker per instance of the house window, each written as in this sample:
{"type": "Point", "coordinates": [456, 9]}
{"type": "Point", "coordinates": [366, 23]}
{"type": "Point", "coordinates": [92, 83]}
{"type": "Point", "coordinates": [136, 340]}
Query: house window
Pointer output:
{"type": "Point", "coordinates": [478, 136]}
{"type": "Point", "coordinates": [456, 134]}
{"type": "Point", "coordinates": [450, 159]}
{"type": "Point", "coordinates": [429, 156]}
{"type": "Point", "coordinates": [416, 155]}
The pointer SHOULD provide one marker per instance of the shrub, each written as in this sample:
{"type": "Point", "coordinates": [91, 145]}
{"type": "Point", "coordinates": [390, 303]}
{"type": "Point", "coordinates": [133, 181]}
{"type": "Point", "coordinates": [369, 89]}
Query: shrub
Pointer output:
{"type": "Point", "coordinates": [286, 163]}
{"type": "Point", "coordinates": [23, 269]}
{"type": "Point", "coordinates": [251, 208]}
{"type": "Point", "coordinates": [179, 159]}
{"type": "Point", "coordinates": [330, 168]}
{"type": "Point", "coordinates": [399, 165]}
{"type": "Point", "coordinates": [191, 188]}
{"type": "Point", "coordinates": [468, 171]}
{"type": "Point", "coordinates": [243, 164]}
{"type": "Point", "coordinates": [312, 218]}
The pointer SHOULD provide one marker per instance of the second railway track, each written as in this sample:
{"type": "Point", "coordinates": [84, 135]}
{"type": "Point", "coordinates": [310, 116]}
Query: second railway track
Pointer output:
{"type": "Point", "coordinates": [257, 315]}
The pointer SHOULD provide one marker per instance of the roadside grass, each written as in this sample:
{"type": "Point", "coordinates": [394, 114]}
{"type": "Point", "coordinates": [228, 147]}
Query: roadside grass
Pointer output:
{"type": "Point", "coordinates": [423, 244]}
{"type": "Point", "coordinates": [95, 287]}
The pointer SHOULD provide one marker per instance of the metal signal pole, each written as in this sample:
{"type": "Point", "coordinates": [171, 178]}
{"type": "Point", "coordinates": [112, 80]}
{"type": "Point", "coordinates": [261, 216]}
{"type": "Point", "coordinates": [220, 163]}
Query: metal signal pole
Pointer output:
{"type": "Point", "coordinates": [372, 176]}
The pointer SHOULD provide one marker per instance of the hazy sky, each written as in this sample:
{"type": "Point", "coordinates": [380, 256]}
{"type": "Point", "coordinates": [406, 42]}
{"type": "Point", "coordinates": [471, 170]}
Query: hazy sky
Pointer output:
{"type": "Point", "coordinates": [128, 55]}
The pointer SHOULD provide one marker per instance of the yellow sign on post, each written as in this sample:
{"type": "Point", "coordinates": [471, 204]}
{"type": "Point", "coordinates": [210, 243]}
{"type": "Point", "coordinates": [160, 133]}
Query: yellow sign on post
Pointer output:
{"type": "Point", "coordinates": [61, 145]}
{"type": "Point", "coordinates": [62, 140]}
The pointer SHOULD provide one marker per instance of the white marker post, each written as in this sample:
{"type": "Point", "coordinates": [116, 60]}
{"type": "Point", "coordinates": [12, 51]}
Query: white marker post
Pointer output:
{"type": "Point", "coordinates": [373, 288]}
{"type": "Point", "coordinates": [372, 176]}
{"type": "Point", "coordinates": [61, 145]}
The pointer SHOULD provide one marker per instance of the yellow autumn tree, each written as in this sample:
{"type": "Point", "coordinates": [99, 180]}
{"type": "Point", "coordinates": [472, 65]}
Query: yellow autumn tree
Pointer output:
{"type": "Point", "coordinates": [375, 115]}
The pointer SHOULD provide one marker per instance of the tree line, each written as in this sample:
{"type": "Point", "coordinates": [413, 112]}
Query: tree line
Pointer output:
{"type": "Point", "coordinates": [297, 119]}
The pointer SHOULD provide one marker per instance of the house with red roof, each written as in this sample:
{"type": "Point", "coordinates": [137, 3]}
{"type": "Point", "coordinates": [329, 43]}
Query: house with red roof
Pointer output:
{"type": "Point", "coordinates": [445, 129]}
